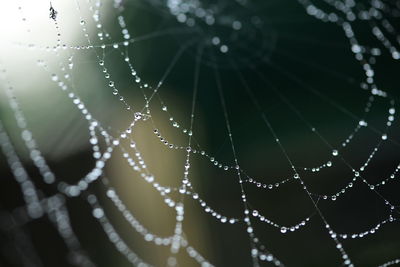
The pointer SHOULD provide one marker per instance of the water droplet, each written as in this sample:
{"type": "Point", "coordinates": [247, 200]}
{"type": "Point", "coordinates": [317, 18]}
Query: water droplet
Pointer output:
{"type": "Point", "coordinates": [224, 48]}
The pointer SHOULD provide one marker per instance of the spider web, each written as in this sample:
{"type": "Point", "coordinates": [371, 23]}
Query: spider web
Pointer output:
{"type": "Point", "coordinates": [308, 97]}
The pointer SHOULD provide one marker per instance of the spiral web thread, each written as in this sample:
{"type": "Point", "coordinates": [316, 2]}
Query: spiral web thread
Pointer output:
{"type": "Point", "coordinates": [344, 14]}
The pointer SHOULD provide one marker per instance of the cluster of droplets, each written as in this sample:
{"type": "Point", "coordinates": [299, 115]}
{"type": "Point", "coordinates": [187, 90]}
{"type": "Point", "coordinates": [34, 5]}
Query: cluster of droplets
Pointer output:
{"type": "Point", "coordinates": [283, 229]}
{"type": "Point", "coordinates": [147, 235]}
{"type": "Point", "coordinates": [112, 234]}
{"type": "Point", "coordinates": [194, 12]}
{"type": "Point", "coordinates": [75, 190]}
{"type": "Point", "coordinates": [347, 141]}
{"type": "Point", "coordinates": [95, 174]}
{"type": "Point", "coordinates": [390, 263]}
{"type": "Point", "coordinates": [34, 153]}
{"type": "Point", "coordinates": [370, 231]}
{"type": "Point", "coordinates": [208, 209]}
{"type": "Point", "coordinates": [34, 208]}
{"type": "Point", "coordinates": [37, 206]}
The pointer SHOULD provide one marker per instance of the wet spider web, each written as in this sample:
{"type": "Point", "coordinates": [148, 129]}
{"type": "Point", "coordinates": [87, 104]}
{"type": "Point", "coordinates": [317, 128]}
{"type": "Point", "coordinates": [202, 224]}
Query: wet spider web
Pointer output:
{"type": "Point", "coordinates": [284, 112]}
